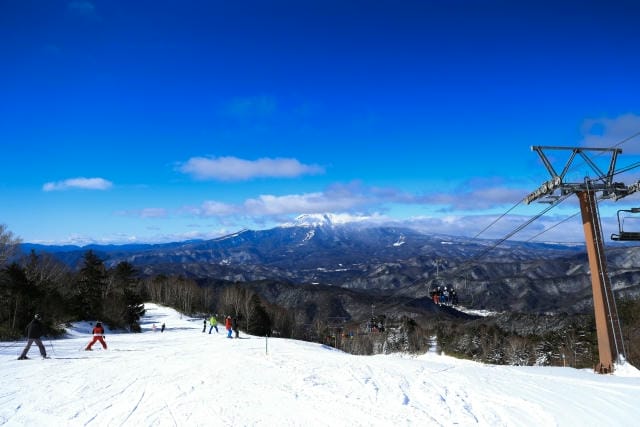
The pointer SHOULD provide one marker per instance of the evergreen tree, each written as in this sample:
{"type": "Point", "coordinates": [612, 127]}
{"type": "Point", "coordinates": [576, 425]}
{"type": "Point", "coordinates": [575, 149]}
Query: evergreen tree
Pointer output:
{"type": "Point", "coordinates": [19, 297]}
{"type": "Point", "coordinates": [124, 302]}
{"type": "Point", "coordinates": [259, 323]}
{"type": "Point", "coordinates": [91, 287]}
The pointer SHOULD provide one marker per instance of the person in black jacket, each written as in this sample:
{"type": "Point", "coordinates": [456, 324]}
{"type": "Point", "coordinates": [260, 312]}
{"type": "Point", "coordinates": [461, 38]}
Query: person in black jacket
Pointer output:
{"type": "Point", "coordinates": [234, 326]}
{"type": "Point", "coordinates": [34, 330]}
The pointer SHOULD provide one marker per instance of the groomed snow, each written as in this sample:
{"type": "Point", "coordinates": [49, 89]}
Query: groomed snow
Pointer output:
{"type": "Point", "coordinates": [183, 377]}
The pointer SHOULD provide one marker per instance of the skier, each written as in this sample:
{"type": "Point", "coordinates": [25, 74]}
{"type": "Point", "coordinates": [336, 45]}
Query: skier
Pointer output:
{"type": "Point", "coordinates": [204, 326]}
{"type": "Point", "coordinates": [162, 328]}
{"type": "Point", "coordinates": [34, 330]}
{"type": "Point", "coordinates": [98, 335]}
{"type": "Point", "coordinates": [234, 325]}
{"type": "Point", "coordinates": [153, 327]}
{"type": "Point", "coordinates": [227, 325]}
{"type": "Point", "coordinates": [214, 323]}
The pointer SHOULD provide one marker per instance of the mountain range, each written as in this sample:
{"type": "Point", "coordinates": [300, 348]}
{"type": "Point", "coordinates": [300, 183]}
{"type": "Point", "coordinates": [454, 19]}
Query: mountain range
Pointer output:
{"type": "Point", "coordinates": [383, 261]}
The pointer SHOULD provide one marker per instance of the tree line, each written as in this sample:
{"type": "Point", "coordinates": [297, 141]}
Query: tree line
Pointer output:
{"type": "Point", "coordinates": [39, 283]}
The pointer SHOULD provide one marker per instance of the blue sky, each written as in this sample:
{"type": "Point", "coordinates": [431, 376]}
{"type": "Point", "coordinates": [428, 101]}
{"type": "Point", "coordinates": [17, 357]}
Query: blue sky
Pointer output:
{"type": "Point", "coordinates": [152, 121]}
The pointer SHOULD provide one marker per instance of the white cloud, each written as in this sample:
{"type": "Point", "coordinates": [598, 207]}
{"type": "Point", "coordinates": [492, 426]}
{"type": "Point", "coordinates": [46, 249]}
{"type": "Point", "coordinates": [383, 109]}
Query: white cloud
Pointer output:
{"type": "Point", "coordinates": [476, 194]}
{"type": "Point", "coordinates": [483, 198]}
{"type": "Point", "coordinates": [299, 203]}
{"type": "Point", "coordinates": [78, 183]}
{"type": "Point", "coordinates": [606, 133]}
{"type": "Point", "coordinates": [545, 229]}
{"type": "Point", "coordinates": [355, 196]}
{"type": "Point", "coordinates": [144, 213]}
{"type": "Point", "coordinates": [213, 208]}
{"type": "Point", "coordinates": [153, 213]}
{"type": "Point", "coordinates": [235, 169]}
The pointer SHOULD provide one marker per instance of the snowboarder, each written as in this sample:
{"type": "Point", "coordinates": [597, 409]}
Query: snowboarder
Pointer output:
{"type": "Point", "coordinates": [227, 325]}
{"type": "Point", "coordinates": [98, 335]}
{"type": "Point", "coordinates": [162, 328]}
{"type": "Point", "coordinates": [214, 323]}
{"type": "Point", "coordinates": [34, 330]}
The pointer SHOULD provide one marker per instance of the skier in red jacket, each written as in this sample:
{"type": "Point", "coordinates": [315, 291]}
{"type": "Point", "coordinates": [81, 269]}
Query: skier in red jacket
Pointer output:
{"type": "Point", "coordinates": [98, 335]}
{"type": "Point", "coordinates": [227, 325]}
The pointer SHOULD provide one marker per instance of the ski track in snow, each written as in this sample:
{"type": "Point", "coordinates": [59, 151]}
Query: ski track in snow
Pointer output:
{"type": "Point", "coordinates": [183, 377]}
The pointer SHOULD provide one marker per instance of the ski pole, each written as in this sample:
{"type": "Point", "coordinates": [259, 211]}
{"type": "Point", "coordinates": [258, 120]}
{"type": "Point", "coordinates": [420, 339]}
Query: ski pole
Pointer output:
{"type": "Point", "coordinates": [51, 345]}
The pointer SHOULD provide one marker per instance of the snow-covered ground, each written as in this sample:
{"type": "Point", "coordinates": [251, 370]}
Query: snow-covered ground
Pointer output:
{"type": "Point", "coordinates": [183, 377]}
{"type": "Point", "coordinates": [474, 312]}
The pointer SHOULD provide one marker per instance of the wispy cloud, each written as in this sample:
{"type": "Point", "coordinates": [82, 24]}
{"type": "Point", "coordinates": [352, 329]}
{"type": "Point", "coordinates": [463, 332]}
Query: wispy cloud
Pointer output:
{"type": "Point", "coordinates": [543, 230]}
{"type": "Point", "coordinates": [356, 197]}
{"type": "Point", "coordinates": [477, 199]}
{"type": "Point", "coordinates": [211, 208]}
{"type": "Point", "coordinates": [476, 194]}
{"type": "Point", "coordinates": [605, 132]}
{"type": "Point", "coordinates": [78, 183]}
{"type": "Point", "coordinates": [235, 169]}
{"type": "Point", "coordinates": [153, 213]}
{"type": "Point", "coordinates": [144, 213]}
{"type": "Point", "coordinates": [298, 203]}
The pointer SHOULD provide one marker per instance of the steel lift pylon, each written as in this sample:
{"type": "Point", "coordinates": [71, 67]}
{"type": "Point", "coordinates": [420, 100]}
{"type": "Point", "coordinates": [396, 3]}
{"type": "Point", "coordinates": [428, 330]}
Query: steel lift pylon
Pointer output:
{"type": "Point", "coordinates": [610, 343]}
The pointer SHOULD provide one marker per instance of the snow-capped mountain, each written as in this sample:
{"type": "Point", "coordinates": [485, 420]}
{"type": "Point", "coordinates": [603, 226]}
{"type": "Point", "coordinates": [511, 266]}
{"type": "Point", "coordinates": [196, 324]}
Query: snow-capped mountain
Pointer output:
{"type": "Point", "coordinates": [324, 220]}
{"type": "Point", "coordinates": [321, 249]}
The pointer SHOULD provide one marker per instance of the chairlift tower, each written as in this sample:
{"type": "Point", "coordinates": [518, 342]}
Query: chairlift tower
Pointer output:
{"type": "Point", "coordinates": [609, 334]}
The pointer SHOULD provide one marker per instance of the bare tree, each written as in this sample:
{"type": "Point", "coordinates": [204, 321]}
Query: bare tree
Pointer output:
{"type": "Point", "coordinates": [283, 321]}
{"type": "Point", "coordinates": [518, 351]}
{"type": "Point", "coordinates": [232, 299]}
{"type": "Point", "coordinates": [44, 269]}
{"type": "Point", "coordinates": [248, 307]}
{"type": "Point", "coordinates": [8, 244]}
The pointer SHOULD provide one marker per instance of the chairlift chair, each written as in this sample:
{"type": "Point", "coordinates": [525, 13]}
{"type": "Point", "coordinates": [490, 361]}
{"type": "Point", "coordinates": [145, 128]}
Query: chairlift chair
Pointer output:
{"type": "Point", "coordinates": [626, 235]}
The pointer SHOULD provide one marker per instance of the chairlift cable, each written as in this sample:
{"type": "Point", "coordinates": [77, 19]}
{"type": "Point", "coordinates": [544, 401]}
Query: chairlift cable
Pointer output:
{"type": "Point", "coordinates": [518, 229]}
{"type": "Point", "coordinates": [475, 258]}
{"type": "Point", "coordinates": [552, 227]}
{"type": "Point", "coordinates": [497, 219]}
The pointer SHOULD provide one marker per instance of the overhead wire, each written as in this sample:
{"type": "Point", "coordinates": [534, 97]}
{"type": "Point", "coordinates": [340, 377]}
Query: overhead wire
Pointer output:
{"type": "Point", "coordinates": [497, 219]}
{"type": "Point", "coordinates": [552, 227]}
{"type": "Point", "coordinates": [521, 227]}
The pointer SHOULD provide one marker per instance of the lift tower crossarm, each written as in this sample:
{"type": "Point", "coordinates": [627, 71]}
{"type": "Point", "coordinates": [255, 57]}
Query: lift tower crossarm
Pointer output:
{"type": "Point", "coordinates": [557, 182]}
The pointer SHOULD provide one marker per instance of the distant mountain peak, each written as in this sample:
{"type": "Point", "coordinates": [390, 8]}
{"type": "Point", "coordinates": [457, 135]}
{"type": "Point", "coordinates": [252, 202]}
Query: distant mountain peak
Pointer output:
{"type": "Point", "coordinates": [323, 220]}
{"type": "Point", "coordinates": [316, 220]}
{"type": "Point", "coordinates": [329, 220]}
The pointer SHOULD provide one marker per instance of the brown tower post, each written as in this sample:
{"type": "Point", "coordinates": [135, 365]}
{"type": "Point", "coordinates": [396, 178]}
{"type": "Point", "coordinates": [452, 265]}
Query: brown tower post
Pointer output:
{"type": "Point", "coordinates": [600, 284]}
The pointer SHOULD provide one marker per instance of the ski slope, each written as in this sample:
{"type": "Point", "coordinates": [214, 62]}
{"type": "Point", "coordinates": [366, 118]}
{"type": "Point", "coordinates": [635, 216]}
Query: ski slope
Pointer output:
{"type": "Point", "coordinates": [183, 377]}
